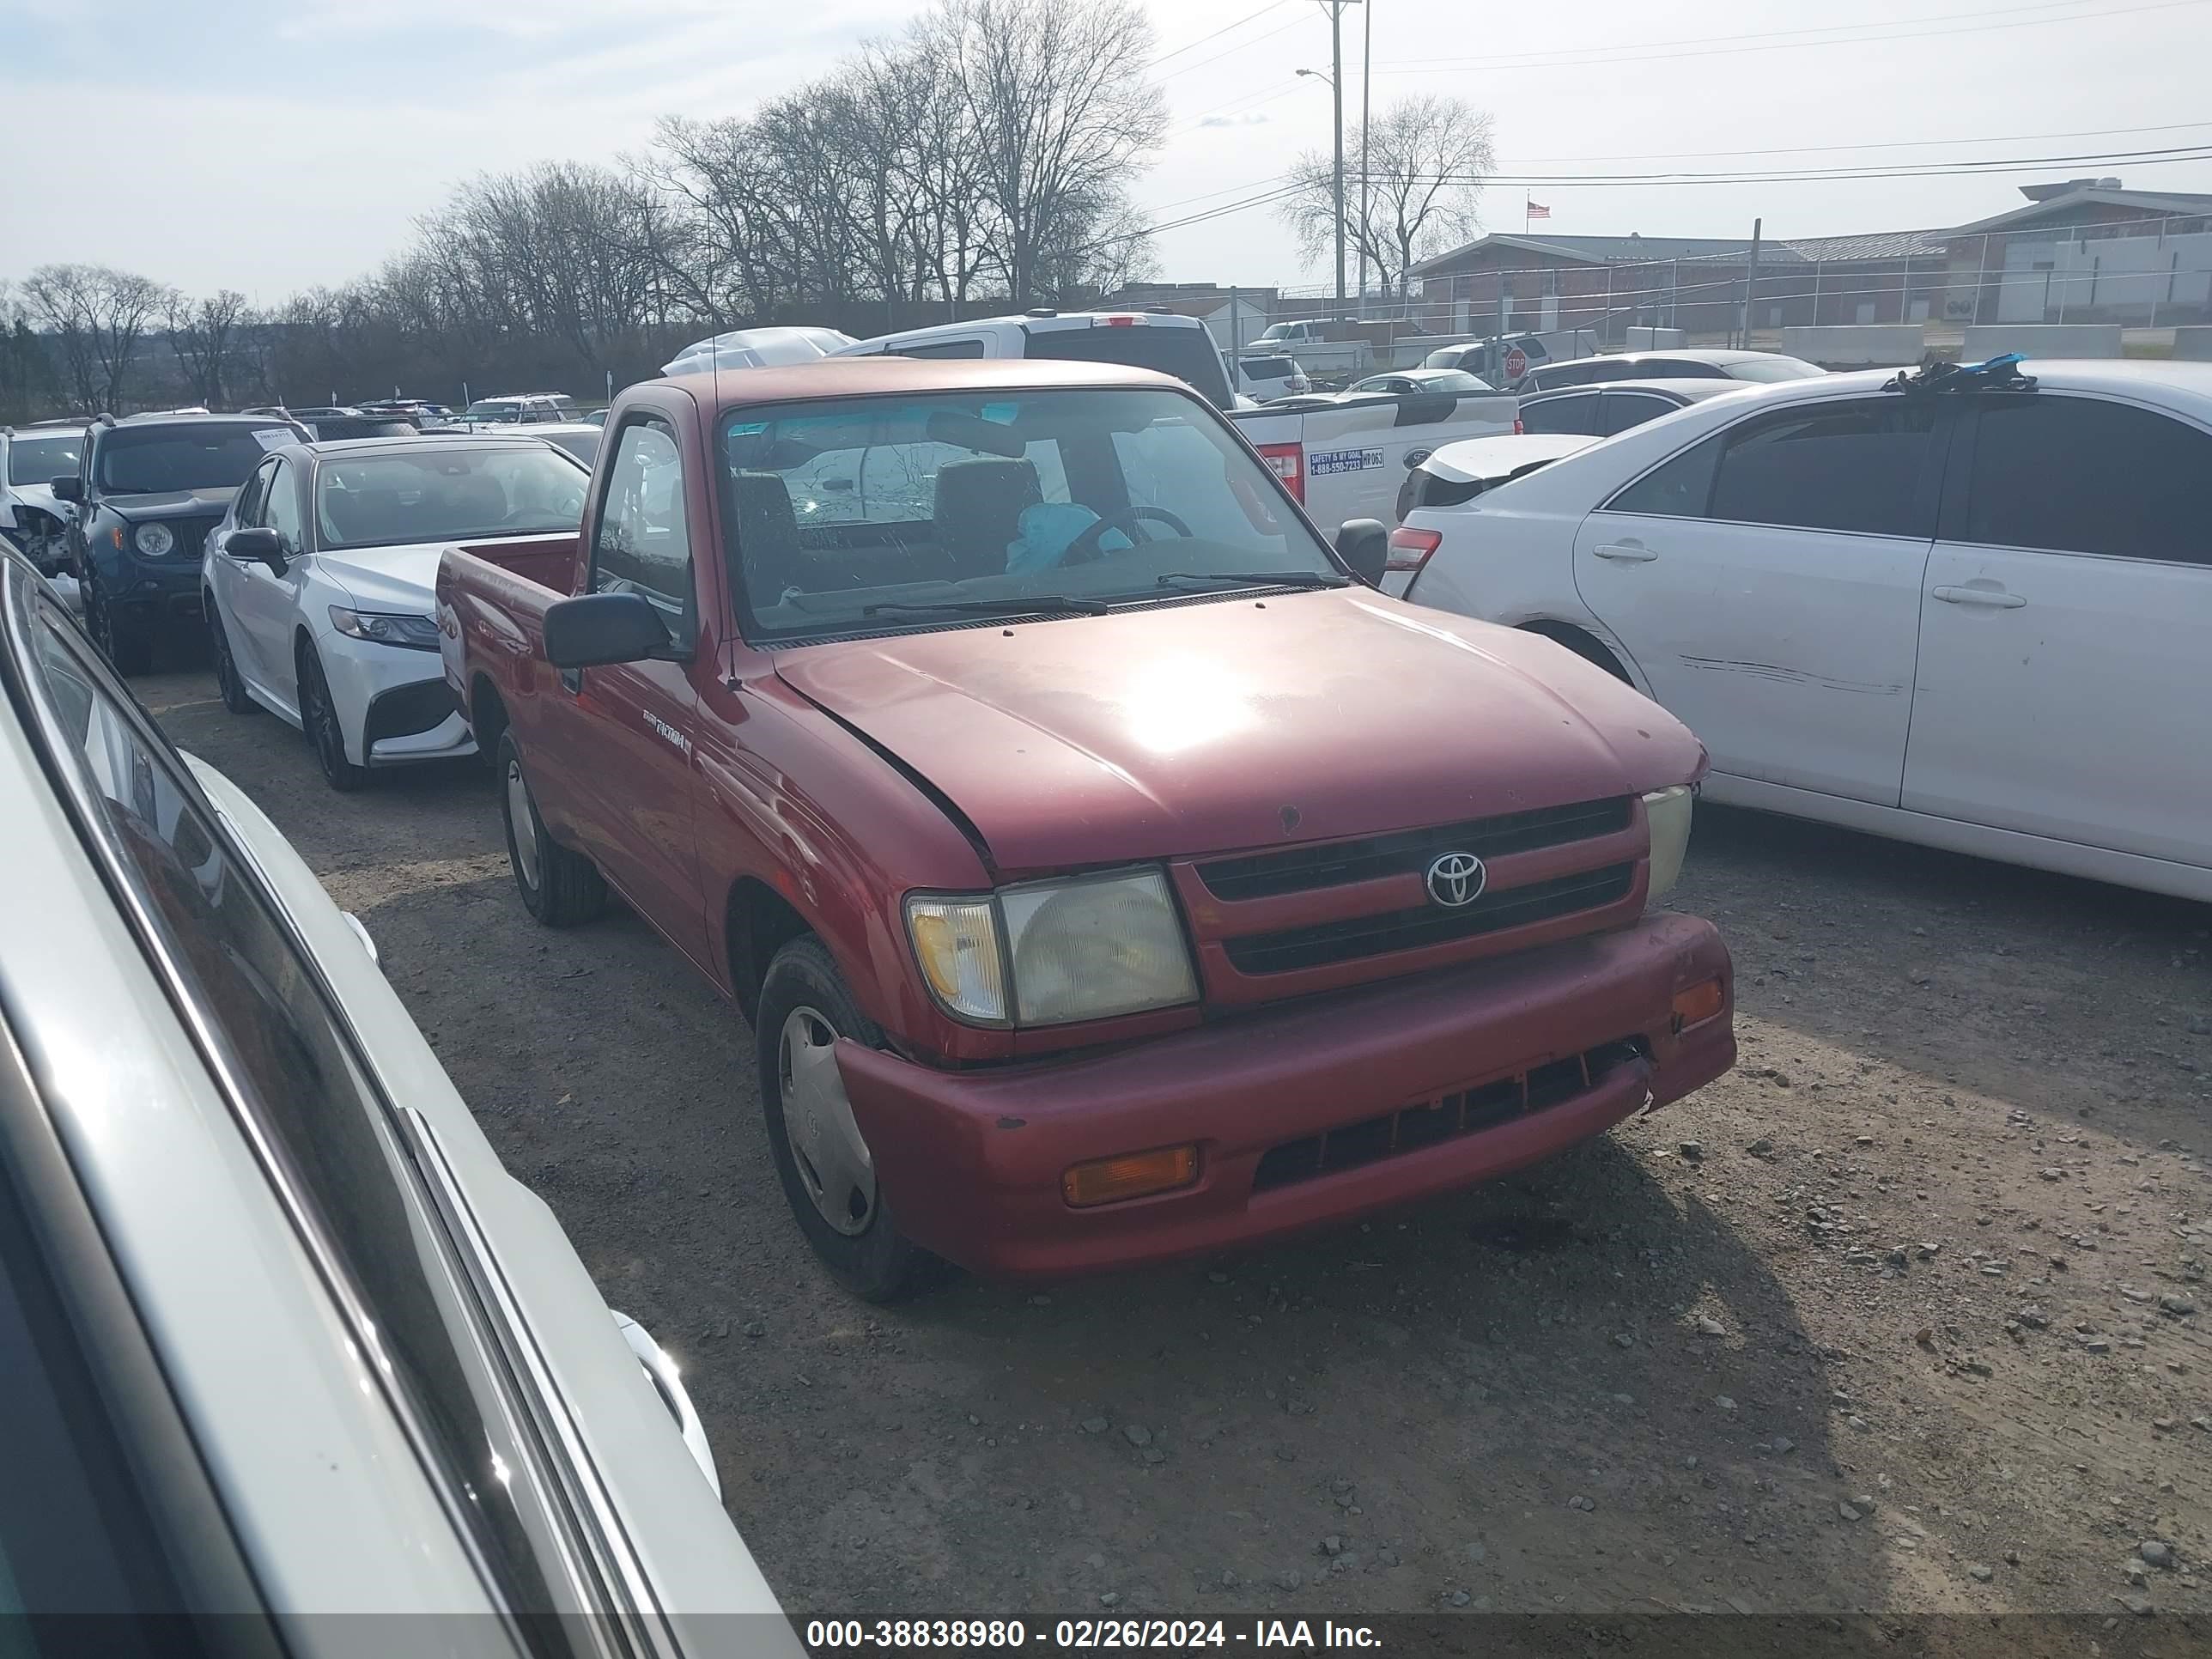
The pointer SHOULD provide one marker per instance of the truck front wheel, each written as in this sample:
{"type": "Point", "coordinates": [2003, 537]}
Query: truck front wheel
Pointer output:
{"type": "Point", "coordinates": [829, 1176]}
{"type": "Point", "coordinates": [559, 888]}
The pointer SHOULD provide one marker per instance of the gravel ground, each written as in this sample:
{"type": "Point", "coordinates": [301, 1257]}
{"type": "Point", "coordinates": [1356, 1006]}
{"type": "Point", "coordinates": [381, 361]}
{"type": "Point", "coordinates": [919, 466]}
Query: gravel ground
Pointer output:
{"type": "Point", "coordinates": [1907, 1314]}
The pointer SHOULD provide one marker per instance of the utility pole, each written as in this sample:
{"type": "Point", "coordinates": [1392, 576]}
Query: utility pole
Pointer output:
{"type": "Point", "coordinates": [1366, 52]}
{"type": "Point", "coordinates": [1336, 93]}
{"type": "Point", "coordinates": [1751, 280]}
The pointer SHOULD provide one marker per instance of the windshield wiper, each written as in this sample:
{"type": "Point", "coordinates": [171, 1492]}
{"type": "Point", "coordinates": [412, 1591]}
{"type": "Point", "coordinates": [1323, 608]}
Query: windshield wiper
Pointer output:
{"type": "Point", "coordinates": [1257, 577]}
{"type": "Point", "coordinates": [1040, 604]}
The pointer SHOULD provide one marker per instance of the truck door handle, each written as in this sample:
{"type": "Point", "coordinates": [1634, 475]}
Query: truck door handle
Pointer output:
{"type": "Point", "coordinates": [1995, 599]}
{"type": "Point", "coordinates": [1625, 552]}
{"type": "Point", "coordinates": [572, 680]}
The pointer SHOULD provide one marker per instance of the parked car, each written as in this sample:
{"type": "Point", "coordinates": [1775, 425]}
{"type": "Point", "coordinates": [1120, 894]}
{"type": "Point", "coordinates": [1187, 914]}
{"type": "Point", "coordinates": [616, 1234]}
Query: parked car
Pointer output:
{"type": "Point", "coordinates": [756, 348]}
{"type": "Point", "coordinates": [31, 457]}
{"type": "Point", "coordinates": [579, 439]}
{"type": "Point", "coordinates": [527, 408]}
{"type": "Point", "coordinates": [147, 491]}
{"type": "Point", "coordinates": [286, 1346]}
{"type": "Point", "coordinates": [1601, 410]}
{"type": "Point", "coordinates": [1489, 358]}
{"type": "Point", "coordinates": [1401, 382]}
{"type": "Point", "coordinates": [1343, 454]}
{"type": "Point", "coordinates": [317, 586]}
{"type": "Point", "coordinates": [1045, 802]}
{"type": "Point", "coordinates": [1695, 363]}
{"type": "Point", "coordinates": [1266, 379]}
{"type": "Point", "coordinates": [1962, 612]}
{"type": "Point", "coordinates": [1457, 473]}
{"type": "Point", "coordinates": [1180, 346]}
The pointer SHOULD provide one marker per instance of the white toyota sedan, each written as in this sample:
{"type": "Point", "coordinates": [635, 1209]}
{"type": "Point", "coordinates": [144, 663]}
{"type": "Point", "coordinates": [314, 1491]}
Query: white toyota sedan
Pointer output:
{"type": "Point", "coordinates": [284, 1345]}
{"type": "Point", "coordinates": [320, 585]}
{"type": "Point", "coordinates": [1972, 611]}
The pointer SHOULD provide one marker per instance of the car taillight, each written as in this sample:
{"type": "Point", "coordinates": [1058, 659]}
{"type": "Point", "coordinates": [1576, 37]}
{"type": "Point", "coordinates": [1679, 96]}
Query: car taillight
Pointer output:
{"type": "Point", "coordinates": [1288, 463]}
{"type": "Point", "coordinates": [1410, 550]}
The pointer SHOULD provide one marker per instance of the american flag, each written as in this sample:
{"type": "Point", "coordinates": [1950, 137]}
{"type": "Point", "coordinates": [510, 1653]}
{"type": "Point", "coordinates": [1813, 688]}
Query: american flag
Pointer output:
{"type": "Point", "coordinates": [1537, 209]}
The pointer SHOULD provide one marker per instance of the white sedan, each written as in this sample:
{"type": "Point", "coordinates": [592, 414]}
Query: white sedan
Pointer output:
{"type": "Point", "coordinates": [1972, 614]}
{"type": "Point", "coordinates": [319, 583]}
{"type": "Point", "coordinates": [285, 1345]}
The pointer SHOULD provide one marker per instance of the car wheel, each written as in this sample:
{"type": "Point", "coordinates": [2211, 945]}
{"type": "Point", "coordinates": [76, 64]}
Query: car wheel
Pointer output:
{"type": "Point", "coordinates": [130, 649]}
{"type": "Point", "coordinates": [226, 678]}
{"type": "Point", "coordinates": [559, 887]}
{"type": "Point", "coordinates": [319, 718]}
{"type": "Point", "coordinates": [828, 1176]}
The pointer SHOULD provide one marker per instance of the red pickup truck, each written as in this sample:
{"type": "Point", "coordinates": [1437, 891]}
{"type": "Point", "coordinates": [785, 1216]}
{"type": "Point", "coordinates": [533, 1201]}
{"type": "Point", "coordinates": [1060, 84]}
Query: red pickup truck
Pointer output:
{"type": "Point", "coordinates": [1108, 873]}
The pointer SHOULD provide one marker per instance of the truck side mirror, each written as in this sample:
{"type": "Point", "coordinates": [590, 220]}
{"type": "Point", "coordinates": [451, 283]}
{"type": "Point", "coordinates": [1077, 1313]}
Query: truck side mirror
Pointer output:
{"type": "Point", "coordinates": [1364, 545]}
{"type": "Point", "coordinates": [594, 630]}
{"type": "Point", "coordinates": [68, 488]}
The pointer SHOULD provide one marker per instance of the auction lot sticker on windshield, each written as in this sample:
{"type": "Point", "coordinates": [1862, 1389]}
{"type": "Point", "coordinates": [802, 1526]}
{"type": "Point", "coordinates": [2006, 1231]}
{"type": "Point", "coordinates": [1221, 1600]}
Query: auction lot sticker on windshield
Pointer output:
{"type": "Point", "coordinates": [1344, 460]}
{"type": "Point", "coordinates": [272, 437]}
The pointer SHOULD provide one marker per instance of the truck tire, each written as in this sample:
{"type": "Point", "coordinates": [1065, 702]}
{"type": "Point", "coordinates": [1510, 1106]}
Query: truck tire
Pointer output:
{"type": "Point", "coordinates": [829, 1177]}
{"type": "Point", "coordinates": [559, 888]}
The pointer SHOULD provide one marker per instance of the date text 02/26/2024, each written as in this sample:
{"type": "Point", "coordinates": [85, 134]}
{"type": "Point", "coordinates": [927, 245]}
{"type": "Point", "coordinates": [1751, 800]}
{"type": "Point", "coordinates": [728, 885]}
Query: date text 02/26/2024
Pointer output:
{"type": "Point", "coordinates": [826, 1636]}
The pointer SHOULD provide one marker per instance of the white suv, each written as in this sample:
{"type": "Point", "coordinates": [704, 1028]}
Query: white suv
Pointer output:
{"type": "Point", "coordinates": [1180, 346]}
{"type": "Point", "coordinates": [31, 458]}
{"type": "Point", "coordinates": [283, 1338]}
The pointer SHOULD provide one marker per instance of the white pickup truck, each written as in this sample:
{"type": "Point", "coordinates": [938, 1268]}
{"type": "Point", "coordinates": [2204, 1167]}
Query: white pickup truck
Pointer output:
{"type": "Point", "coordinates": [1344, 458]}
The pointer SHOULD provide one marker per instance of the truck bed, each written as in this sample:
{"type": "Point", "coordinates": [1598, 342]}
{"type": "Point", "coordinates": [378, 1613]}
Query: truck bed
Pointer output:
{"type": "Point", "coordinates": [1351, 457]}
{"type": "Point", "coordinates": [547, 560]}
{"type": "Point", "coordinates": [491, 604]}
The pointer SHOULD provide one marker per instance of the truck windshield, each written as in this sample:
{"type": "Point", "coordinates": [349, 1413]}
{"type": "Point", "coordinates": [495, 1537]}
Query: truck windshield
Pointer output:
{"type": "Point", "coordinates": [451, 493]}
{"type": "Point", "coordinates": [151, 460]}
{"type": "Point", "coordinates": [1086, 494]}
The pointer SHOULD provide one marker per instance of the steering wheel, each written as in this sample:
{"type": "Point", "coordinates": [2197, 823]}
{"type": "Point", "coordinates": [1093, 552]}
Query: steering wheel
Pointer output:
{"type": "Point", "coordinates": [1084, 548]}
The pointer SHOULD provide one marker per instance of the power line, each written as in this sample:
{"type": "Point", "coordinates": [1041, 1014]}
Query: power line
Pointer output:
{"type": "Point", "coordinates": [1817, 175]}
{"type": "Point", "coordinates": [1892, 144]}
{"type": "Point", "coordinates": [1654, 51]}
{"type": "Point", "coordinates": [1249, 17]}
{"type": "Point", "coordinates": [1241, 45]}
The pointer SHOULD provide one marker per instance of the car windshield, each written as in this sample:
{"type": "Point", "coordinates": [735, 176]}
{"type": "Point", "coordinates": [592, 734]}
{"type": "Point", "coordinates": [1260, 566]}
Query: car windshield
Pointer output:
{"type": "Point", "coordinates": [1091, 494]}
{"type": "Point", "coordinates": [453, 492]}
{"type": "Point", "coordinates": [1453, 380]}
{"type": "Point", "coordinates": [1773, 368]}
{"type": "Point", "coordinates": [1268, 368]}
{"type": "Point", "coordinates": [41, 460]}
{"type": "Point", "coordinates": [145, 460]}
{"type": "Point", "coordinates": [493, 409]}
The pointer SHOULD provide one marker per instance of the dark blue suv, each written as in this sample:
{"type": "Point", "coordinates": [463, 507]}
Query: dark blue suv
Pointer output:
{"type": "Point", "coordinates": [149, 488]}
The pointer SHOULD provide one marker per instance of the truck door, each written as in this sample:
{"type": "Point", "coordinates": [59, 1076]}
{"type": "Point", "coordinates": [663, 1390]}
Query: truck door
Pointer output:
{"type": "Point", "coordinates": [629, 736]}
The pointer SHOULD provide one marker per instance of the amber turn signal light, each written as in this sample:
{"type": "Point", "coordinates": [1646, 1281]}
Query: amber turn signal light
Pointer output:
{"type": "Point", "coordinates": [1697, 1003]}
{"type": "Point", "coordinates": [1132, 1175]}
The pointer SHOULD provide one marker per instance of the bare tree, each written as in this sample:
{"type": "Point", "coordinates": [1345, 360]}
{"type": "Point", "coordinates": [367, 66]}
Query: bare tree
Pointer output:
{"type": "Point", "coordinates": [26, 377]}
{"type": "Point", "coordinates": [207, 337]}
{"type": "Point", "coordinates": [1062, 115]}
{"type": "Point", "coordinates": [1426, 160]}
{"type": "Point", "coordinates": [98, 316]}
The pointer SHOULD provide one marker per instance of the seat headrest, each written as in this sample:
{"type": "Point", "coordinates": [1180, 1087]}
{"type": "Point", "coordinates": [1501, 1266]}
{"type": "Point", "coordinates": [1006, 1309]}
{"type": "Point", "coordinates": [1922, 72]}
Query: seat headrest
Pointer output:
{"type": "Point", "coordinates": [979, 504]}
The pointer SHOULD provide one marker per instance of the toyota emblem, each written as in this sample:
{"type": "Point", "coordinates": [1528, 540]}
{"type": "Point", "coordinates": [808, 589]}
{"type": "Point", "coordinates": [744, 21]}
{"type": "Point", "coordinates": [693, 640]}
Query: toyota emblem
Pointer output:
{"type": "Point", "coordinates": [1456, 878]}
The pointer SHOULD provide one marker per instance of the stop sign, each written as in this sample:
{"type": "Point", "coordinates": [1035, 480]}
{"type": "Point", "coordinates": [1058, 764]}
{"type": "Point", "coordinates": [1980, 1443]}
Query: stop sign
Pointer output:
{"type": "Point", "coordinates": [1517, 363]}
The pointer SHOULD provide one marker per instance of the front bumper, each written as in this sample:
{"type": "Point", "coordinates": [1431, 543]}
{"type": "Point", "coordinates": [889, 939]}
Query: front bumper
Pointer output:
{"type": "Point", "coordinates": [143, 597]}
{"type": "Point", "coordinates": [394, 705]}
{"type": "Point", "coordinates": [970, 1161]}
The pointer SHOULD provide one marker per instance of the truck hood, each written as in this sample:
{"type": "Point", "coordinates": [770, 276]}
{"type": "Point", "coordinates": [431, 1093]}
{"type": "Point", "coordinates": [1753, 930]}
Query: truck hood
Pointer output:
{"type": "Point", "coordinates": [209, 503]}
{"type": "Point", "coordinates": [1237, 724]}
{"type": "Point", "coordinates": [387, 578]}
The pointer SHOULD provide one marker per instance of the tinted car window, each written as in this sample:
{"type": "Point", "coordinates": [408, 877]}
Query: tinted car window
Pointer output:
{"type": "Point", "coordinates": [1624, 410]}
{"type": "Point", "coordinates": [248, 510]}
{"type": "Point", "coordinates": [1186, 352]}
{"type": "Point", "coordinates": [284, 1055]}
{"type": "Point", "coordinates": [281, 508]}
{"type": "Point", "coordinates": [455, 492]}
{"type": "Point", "coordinates": [1576, 414]}
{"type": "Point", "coordinates": [2033, 454]}
{"type": "Point", "coordinates": [1678, 489]}
{"type": "Point", "coordinates": [1680, 369]}
{"type": "Point", "coordinates": [1855, 467]}
{"type": "Point", "coordinates": [148, 459]}
{"type": "Point", "coordinates": [1587, 372]}
{"type": "Point", "coordinates": [943, 349]}
{"type": "Point", "coordinates": [642, 544]}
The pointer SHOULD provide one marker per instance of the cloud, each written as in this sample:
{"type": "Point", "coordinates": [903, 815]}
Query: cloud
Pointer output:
{"type": "Point", "coordinates": [1251, 117]}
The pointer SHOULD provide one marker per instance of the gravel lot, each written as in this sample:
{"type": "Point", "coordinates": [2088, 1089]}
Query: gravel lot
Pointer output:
{"type": "Point", "coordinates": [1907, 1314]}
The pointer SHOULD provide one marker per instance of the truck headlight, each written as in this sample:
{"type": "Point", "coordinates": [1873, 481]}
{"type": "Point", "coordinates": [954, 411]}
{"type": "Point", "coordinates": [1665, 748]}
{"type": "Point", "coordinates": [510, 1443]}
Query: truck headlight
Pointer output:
{"type": "Point", "coordinates": [154, 540]}
{"type": "Point", "coordinates": [386, 627]}
{"type": "Point", "coordinates": [1668, 812]}
{"type": "Point", "coordinates": [1088, 947]}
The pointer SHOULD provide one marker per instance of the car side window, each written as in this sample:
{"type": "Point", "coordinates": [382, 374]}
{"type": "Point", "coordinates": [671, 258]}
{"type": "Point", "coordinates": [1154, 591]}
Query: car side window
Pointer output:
{"type": "Point", "coordinates": [1680, 488]}
{"type": "Point", "coordinates": [252, 497]}
{"type": "Point", "coordinates": [1577, 414]}
{"type": "Point", "coordinates": [2033, 454]}
{"type": "Point", "coordinates": [642, 543]}
{"type": "Point", "coordinates": [1859, 466]}
{"type": "Point", "coordinates": [943, 349]}
{"type": "Point", "coordinates": [280, 510]}
{"type": "Point", "coordinates": [279, 1050]}
{"type": "Point", "coordinates": [1623, 409]}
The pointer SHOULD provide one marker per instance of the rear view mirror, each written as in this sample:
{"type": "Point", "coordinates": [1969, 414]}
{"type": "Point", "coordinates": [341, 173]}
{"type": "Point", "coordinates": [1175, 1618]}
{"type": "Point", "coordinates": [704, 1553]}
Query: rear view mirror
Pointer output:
{"type": "Point", "coordinates": [255, 544]}
{"type": "Point", "coordinates": [595, 629]}
{"type": "Point", "coordinates": [68, 488]}
{"type": "Point", "coordinates": [1364, 545]}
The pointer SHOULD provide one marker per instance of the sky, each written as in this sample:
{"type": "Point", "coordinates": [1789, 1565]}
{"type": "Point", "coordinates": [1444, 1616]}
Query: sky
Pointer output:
{"type": "Point", "coordinates": [268, 145]}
